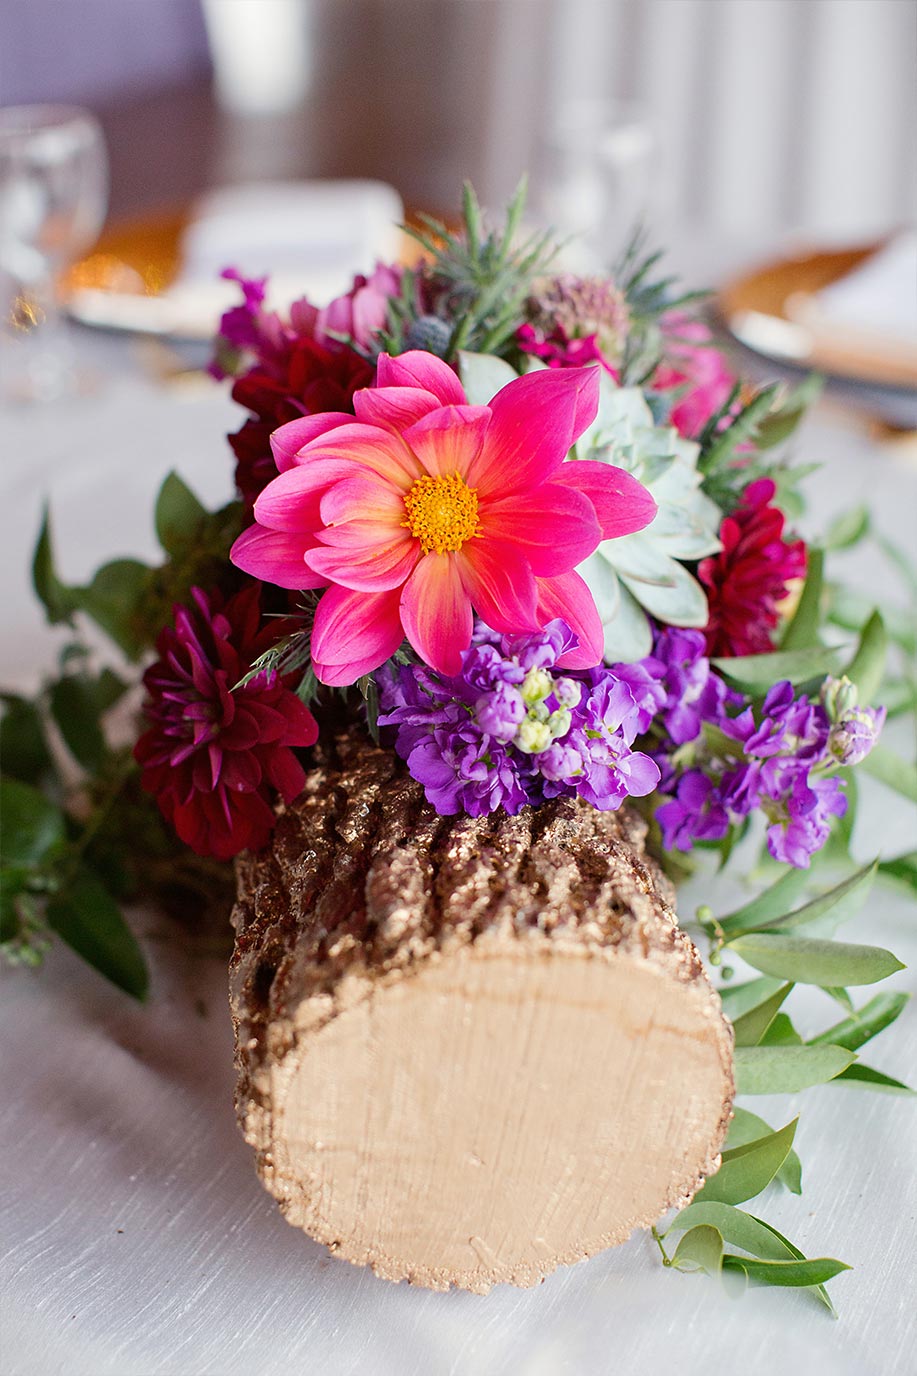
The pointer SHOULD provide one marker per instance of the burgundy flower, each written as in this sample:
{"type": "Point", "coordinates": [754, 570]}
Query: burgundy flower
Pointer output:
{"type": "Point", "coordinates": [749, 577]}
{"type": "Point", "coordinates": [211, 756]}
{"type": "Point", "coordinates": [308, 378]}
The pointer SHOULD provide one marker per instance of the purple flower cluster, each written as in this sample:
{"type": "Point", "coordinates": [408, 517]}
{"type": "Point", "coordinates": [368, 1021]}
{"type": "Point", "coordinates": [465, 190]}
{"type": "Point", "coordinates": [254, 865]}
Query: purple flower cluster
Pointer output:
{"type": "Point", "coordinates": [721, 760]}
{"type": "Point", "coordinates": [510, 730]}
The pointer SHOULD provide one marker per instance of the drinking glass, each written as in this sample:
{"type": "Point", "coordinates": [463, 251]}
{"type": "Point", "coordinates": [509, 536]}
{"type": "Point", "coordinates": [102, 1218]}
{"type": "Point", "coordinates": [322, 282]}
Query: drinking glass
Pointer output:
{"type": "Point", "coordinates": [53, 198]}
{"type": "Point", "coordinates": [596, 177]}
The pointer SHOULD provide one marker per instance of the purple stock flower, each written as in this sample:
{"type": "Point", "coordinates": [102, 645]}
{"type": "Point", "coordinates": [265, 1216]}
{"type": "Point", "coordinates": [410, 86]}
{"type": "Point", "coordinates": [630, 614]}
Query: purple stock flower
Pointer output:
{"type": "Point", "coordinates": [694, 693]}
{"type": "Point", "coordinates": [509, 730]}
{"type": "Point", "coordinates": [696, 813]}
{"type": "Point", "coordinates": [804, 818]}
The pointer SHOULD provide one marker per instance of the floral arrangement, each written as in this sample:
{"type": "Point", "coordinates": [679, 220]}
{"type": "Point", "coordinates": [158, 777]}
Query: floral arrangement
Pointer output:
{"type": "Point", "coordinates": [536, 530]}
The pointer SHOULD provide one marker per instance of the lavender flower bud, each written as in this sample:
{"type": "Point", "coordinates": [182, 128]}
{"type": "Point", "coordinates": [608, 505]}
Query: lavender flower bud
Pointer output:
{"type": "Point", "coordinates": [854, 735]}
{"type": "Point", "coordinates": [536, 685]}
{"type": "Point", "coordinates": [568, 692]}
{"type": "Point", "coordinates": [559, 723]}
{"type": "Point", "coordinates": [560, 762]}
{"type": "Point", "coordinates": [838, 697]}
{"type": "Point", "coordinates": [500, 711]}
{"type": "Point", "coordinates": [532, 737]}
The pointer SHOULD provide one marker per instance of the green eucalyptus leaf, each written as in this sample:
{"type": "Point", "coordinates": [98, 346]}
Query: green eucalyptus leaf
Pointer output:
{"type": "Point", "coordinates": [902, 869]}
{"type": "Point", "coordinates": [87, 917]}
{"type": "Point", "coordinates": [737, 1228]}
{"type": "Point", "coordinates": [13, 881]}
{"type": "Point", "coordinates": [787, 1069]}
{"type": "Point", "coordinates": [748, 1169]}
{"type": "Point", "coordinates": [59, 601]}
{"type": "Point", "coordinates": [746, 1127]}
{"type": "Point", "coordinates": [880, 1012]}
{"type": "Point", "coordinates": [829, 910]}
{"type": "Point", "coordinates": [113, 598]}
{"type": "Point", "coordinates": [884, 764]}
{"type": "Point", "coordinates": [781, 1032]}
{"type": "Point", "coordinates": [819, 1290]}
{"type": "Point", "coordinates": [73, 707]}
{"type": "Point", "coordinates": [848, 529]}
{"type": "Point", "coordinates": [739, 999]}
{"type": "Point", "coordinates": [700, 1249]}
{"type": "Point", "coordinates": [754, 674]}
{"type": "Point", "coordinates": [811, 1272]}
{"type": "Point", "coordinates": [774, 901]}
{"type": "Point", "coordinates": [751, 1026]}
{"type": "Point", "coordinates": [179, 515]}
{"type": "Point", "coordinates": [802, 630]}
{"type": "Point", "coordinates": [867, 1078]}
{"type": "Point", "coordinates": [867, 667]}
{"type": "Point", "coordinates": [32, 827]}
{"type": "Point", "coordinates": [851, 609]}
{"type": "Point", "coordinates": [24, 752]}
{"type": "Point", "coordinates": [899, 695]}
{"type": "Point", "coordinates": [813, 960]}
{"type": "Point", "coordinates": [839, 995]}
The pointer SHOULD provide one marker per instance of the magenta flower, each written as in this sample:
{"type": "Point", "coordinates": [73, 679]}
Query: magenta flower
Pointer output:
{"type": "Point", "coordinates": [695, 366]}
{"type": "Point", "coordinates": [425, 509]}
{"type": "Point", "coordinates": [358, 315]}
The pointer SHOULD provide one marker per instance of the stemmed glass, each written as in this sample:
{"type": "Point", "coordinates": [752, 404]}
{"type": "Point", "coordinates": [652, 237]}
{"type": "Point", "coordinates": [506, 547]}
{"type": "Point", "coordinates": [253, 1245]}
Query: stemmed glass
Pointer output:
{"type": "Point", "coordinates": [53, 198]}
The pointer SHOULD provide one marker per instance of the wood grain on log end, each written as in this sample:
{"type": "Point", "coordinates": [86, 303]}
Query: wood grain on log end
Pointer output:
{"type": "Point", "coordinates": [470, 1050]}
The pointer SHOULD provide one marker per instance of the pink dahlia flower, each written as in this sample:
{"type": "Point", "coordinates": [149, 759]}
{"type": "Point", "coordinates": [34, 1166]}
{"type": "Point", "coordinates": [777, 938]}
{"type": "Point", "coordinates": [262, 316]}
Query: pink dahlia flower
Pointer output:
{"type": "Point", "coordinates": [694, 364]}
{"type": "Point", "coordinates": [212, 758]}
{"type": "Point", "coordinates": [424, 510]}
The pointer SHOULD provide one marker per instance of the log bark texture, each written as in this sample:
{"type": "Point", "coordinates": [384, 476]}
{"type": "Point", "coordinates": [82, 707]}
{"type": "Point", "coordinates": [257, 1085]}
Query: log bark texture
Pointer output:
{"type": "Point", "coordinates": [469, 1050]}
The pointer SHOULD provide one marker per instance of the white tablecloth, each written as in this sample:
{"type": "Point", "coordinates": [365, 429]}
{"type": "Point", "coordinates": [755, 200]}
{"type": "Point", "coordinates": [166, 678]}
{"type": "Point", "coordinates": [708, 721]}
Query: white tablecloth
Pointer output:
{"type": "Point", "coordinates": [137, 1240]}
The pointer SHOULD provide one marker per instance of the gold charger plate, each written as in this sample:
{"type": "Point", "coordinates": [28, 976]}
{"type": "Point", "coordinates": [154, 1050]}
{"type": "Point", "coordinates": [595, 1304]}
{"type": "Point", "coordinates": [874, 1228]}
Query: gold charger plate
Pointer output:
{"type": "Point", "coordinates": [773, 310]}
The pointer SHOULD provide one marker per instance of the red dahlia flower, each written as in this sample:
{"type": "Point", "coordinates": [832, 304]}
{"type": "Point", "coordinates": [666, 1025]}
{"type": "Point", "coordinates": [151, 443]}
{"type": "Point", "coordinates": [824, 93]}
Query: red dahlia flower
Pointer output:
{"type": "Point", "coordinates": [212, 756]}
{"type": "Point", "coordinates": [309, 378]}
{"type": "Point", "coordinates": [749, 577]}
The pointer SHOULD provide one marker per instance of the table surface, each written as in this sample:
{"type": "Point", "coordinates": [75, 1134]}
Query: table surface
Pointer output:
{"type": "Point", "coordinates": [138, 1240]}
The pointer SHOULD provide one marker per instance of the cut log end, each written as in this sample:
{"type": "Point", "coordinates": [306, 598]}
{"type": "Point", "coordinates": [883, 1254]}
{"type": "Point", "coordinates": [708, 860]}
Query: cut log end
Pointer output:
{"type": "Point", "coordinates": [500, 1056]}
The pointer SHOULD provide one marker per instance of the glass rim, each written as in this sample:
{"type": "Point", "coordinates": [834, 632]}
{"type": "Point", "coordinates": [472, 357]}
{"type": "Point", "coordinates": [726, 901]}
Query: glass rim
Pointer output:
{"type": "Point", "coordinates": [27, 121]}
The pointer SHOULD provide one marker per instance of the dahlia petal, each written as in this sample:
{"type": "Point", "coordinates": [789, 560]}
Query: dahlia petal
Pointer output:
{"type": "Point", "coordinates": [302, 728]}
{"type": "Point", "coordinates": [364, 498]}
{"type": "Point", "coordinates": [372, 566]}
{"type": "Point", "coordinates": [286, 774]}
{"type": "Point", "coordinates": [556, 526]}
{"type": "Point", "coordinates": [275, 556]}
{"type": "Point", "coordinates": [498, 578]}
{"type": "Point", "coordinates": [397, 407]}
{"type": "Point", "coordinates": [536, 418]}
{"type": "Point", "coordinates": [419, 369]}
{"type": "Point", "coordinates": [622, 504]}
{"type": "Point", "coordinates": [567, 597]}
{"type": "Point", "coordinates": [449, 439]}
{"type": "Point", "coordinates": [289, 439]}
{"type": "Point", "coordinates": [436, 612]}
{"type": "Point", "coordinates": [354, 632]}
{"type": "Point", "coordinates": [292, 501]}
{"type": "Point", "coordinates": [369, 447]}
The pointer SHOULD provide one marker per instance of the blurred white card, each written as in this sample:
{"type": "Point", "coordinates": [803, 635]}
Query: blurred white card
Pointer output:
{"type": "Point", "coordinates": [309, 238]}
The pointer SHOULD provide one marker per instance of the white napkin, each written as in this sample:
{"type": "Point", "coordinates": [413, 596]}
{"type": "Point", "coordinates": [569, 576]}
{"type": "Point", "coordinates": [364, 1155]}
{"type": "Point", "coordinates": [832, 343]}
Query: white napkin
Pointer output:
{"type": "Point", "coordinates": [880, 295]}
{"type": "Point", "coordinates": [309, 238]}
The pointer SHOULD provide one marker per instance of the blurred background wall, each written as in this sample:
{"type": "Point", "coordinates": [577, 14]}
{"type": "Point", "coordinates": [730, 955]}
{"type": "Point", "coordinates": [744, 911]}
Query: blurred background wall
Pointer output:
{"type": "Point", "coordinates": [766, 117]}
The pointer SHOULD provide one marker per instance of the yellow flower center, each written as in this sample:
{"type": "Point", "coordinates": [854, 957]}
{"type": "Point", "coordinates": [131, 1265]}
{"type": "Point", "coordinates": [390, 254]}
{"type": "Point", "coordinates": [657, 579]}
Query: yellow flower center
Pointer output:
{"type": "Point", "coordinates": [442, 513]}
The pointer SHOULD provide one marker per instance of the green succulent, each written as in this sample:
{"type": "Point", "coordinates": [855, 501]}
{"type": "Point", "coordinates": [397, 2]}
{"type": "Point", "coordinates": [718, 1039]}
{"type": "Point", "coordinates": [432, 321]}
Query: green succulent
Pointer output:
{"type": "Point", "coordinates": [643, 575]}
